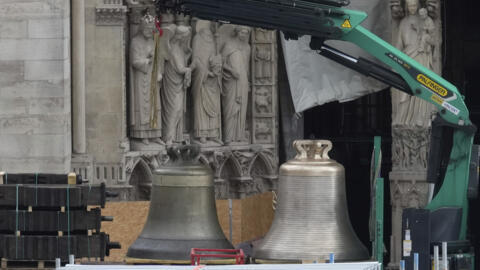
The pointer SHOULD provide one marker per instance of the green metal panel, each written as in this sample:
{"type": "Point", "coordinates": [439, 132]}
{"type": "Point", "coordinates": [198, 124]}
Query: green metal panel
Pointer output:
{"type": "Point", "coordinates": [379, 201]}
{"type": "Point", "coordinates": [379, 190]}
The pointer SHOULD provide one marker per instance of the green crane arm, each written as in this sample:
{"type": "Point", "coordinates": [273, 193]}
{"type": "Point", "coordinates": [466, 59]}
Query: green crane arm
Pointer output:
{"type": "Point", "coordinates": [429, 86]}
{"type": "Point", "coordinates": [432, 88]}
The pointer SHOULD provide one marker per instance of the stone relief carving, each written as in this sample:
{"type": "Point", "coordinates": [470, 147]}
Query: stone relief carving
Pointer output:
{"type": "Point", "coordinates": [110, 12]}
{"type": "Point", "coordinates": [263, 35]}
{"type": "Point", "coordinates": [206, 85]}
{"type": "Point", "coordinates": [263, 57]}
{"type": "Point", "coordinates": [204, 75]}
{"type": "Point", "coordinates": [145, 122]}
{"type": "Point", "coordinates": [263, 100]}
{"type": "Point", "coordinates": [236, 87]}
{"type": "Point", "coordinates": [263, 129]}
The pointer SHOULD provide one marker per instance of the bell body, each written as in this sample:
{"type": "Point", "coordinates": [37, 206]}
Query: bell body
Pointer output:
{"type": "Point", "coordinates": [311, 220]}
{"type": "Point", "coordinates": [182, 216]}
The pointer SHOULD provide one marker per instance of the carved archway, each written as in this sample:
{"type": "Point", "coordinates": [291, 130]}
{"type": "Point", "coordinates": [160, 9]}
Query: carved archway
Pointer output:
{"type": "Point", "coordinates": [262, 171]}
{"type": "Point", "coordinates": [141, 181]}
{"type": "Point", "coordinates": [229, 170]}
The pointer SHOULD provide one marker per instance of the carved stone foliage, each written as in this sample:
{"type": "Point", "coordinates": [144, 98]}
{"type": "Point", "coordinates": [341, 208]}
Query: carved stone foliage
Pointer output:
{"type": "Point", "coordinates": [410, 149]}
{"type": "Point", "coordinates": [215, 86]}
{"type": "Point", "coordinates": [409, 194]}
{"type": "Point", "coordinates": [110, 12]}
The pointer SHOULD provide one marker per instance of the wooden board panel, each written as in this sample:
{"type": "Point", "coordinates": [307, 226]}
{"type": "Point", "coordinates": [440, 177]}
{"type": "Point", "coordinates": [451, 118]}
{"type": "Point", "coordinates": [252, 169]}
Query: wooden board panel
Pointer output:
{"type": "Point", "coordinates": [252, 218]}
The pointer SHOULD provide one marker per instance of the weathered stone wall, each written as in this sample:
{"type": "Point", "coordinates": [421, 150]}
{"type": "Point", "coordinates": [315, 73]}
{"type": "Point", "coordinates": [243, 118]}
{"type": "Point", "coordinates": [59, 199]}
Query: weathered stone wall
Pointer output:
{"type": "Point", "coordinates": [35, 76]}
{"type": "Point", "coordinates": [104, 93]}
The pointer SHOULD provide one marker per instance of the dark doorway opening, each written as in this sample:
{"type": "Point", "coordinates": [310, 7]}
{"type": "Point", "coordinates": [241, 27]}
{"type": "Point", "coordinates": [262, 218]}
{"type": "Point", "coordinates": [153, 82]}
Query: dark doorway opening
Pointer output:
{"type": "Point", "coordinates": [462, 67]}
{"type": "Point", "coordinates": [351, 127]}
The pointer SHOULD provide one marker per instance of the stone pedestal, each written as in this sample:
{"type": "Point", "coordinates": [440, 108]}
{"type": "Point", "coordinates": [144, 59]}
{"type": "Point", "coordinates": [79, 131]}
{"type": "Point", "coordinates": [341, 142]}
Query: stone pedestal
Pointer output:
{"type": "Point", "coordinates": [408, 189]}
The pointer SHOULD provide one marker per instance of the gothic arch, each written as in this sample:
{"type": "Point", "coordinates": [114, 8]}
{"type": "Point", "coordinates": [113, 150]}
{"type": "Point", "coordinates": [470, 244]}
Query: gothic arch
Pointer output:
{"type": "Point", "coordinates": [231, 167]}
{"type": "Point", "coordinates": [262, 159]}
{"type": "Point", "coordinates": [141, 180]}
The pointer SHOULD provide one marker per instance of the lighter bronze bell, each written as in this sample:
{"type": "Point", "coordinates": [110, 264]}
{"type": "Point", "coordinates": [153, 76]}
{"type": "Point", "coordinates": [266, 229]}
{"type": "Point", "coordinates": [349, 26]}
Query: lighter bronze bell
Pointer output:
{"type": "Point", "coordinates": [311, 219]}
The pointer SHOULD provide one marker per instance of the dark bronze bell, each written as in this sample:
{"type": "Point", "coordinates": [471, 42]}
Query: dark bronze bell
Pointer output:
{"type": "Point", "coordinates": [311, 220]}
{"type": "Point", "coordinates": [182, 212]}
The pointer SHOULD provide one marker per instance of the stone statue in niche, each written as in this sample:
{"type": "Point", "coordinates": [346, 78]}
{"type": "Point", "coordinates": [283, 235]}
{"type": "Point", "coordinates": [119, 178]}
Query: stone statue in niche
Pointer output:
{"type": "Point", "coordinates": [426, 32]}
{"type": "Point", "coordinates": [263, 57]}
{"type": "Point", "coordinates": [146, 77]}
{"type": "Point", "coordinates": [176, 80]}
{"type": "Point", "coordinates": [416, 38]}
{"type": "Point", "coordinates": [235, 51]}
{"type": "Point", "coordinates": [206, 85]}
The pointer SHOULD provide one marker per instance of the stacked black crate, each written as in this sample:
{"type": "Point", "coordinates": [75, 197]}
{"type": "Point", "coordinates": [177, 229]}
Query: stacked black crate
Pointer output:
{"type": "Point", "coordinates": [44, 217]}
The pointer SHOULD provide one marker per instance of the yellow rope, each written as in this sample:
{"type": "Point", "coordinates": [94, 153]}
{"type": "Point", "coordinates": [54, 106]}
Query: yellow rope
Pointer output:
{"type": "Point", "coordinates": [153, 83]}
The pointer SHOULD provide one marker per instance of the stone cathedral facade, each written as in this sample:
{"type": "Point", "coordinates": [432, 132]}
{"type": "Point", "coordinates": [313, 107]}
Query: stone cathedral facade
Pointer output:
{"type": "Point", "coordinates": [108, 106]}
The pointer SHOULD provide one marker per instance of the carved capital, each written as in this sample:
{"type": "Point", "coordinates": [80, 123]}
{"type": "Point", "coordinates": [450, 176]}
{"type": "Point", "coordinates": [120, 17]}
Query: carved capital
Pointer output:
{"type": "Point", "coordinates": [110, 12]}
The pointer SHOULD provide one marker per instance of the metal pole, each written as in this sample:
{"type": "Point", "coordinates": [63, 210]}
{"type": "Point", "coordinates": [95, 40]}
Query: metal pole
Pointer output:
{"type": "Point", "coordinates": [58, 263]}
{"type": "Point", "coordinates": [444, 256]}
{"type": "Point", "coordinates": [230, 219]}
{"type": "Point", "coordinates": [71, 259]}
{"type": "Point", "coordinates": [415, 261]}
{"type": "Point", "coordinates": [436, 262]}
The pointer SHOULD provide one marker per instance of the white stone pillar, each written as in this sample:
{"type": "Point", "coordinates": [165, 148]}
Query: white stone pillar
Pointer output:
{"type": "Point", "coordinates": [410, 120]}
{"type": "Point", "coordinates": [78, 76]}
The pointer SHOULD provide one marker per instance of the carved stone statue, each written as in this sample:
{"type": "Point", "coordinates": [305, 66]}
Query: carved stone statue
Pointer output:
{"type": "Point", "coordinates": [236, 63]}
{"type": "Point", "coordinates": [176, 80]}
{"type": "Point", "coordinates": [145, 122]}
{"type": "Point", "coordinates": [415, 38]}
{"type": "Point", "coordinates": [263, 56]}
{"type": "Point", "coordinates": [206, 85]}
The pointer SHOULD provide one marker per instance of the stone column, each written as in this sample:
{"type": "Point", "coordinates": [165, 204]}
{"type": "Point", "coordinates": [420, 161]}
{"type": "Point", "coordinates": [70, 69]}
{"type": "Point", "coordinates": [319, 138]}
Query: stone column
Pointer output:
{"type": "Point", "coordinates": [78, 77]}
{"type": "Point", "coordinates": [416, 29]}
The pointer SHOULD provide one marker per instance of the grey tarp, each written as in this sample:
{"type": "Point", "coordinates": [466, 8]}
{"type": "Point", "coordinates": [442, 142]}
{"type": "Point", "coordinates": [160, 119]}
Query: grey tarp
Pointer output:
{"type": "Point", "coordinates": [315, 80]}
